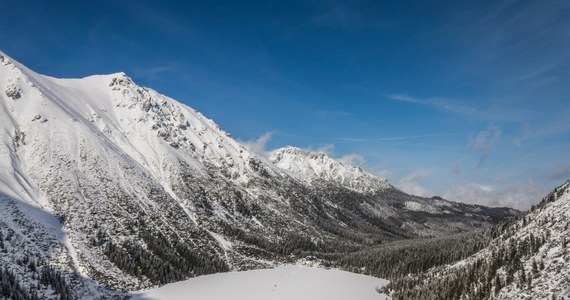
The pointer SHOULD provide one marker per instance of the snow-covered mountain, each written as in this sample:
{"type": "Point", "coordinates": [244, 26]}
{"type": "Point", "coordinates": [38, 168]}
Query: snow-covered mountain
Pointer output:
{"type": "Point", "coordinates": [527, 258]}
{"type": "Point", "coordinates": [106, 185]}
{"type": "Point", "coordinates": [310, 166]}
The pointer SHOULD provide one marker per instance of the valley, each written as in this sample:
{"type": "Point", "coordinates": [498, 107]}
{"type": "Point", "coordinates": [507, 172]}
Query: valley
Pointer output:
{"type": "Point", "coordinates": [107, 188]}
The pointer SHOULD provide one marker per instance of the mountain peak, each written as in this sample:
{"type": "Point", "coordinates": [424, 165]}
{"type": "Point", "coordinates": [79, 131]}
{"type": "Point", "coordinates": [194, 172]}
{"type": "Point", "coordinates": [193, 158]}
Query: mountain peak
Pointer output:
{"type": "Point", "coordinates": [312, 166]}
{"type": "Point", "coordinates": [7, 60]}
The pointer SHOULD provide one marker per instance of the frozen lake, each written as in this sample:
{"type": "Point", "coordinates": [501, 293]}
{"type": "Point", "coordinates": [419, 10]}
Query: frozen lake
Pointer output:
{"type": "Point", "coordinates": [281, 283]}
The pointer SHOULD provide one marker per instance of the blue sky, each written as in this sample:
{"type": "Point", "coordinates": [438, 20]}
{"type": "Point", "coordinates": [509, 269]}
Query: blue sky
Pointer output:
{"type": "Point", "coordinates": [468, 100]}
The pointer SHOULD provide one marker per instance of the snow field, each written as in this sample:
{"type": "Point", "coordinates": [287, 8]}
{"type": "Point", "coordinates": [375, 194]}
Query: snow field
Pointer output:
{"type": "Point", "coordinates": [281, 283]}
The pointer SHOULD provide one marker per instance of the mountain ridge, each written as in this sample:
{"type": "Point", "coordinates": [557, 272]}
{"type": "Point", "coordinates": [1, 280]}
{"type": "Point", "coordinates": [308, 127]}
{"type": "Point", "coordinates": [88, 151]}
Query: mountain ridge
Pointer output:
{"type": "Point", "coordinates": [527, 258]}
{"type": "Point", "coordinates": [309, 166]}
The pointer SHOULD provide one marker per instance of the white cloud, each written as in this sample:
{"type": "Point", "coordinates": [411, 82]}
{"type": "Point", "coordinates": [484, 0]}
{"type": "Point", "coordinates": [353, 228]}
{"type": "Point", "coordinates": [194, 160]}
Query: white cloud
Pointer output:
{"type": "Point", "coordinates": [259, 146]}
{"type": "Point", "coordinates": [326, 149]}
{"type": "Point", "coordinates": [519, 195]}
{"type": "Point", "coordinates": [446, 104]}
{"type": "Point", "coordinates": [411, 183]}
{"type": "Point", "coordinates": [352, 159]}
{"type": "Point", "coordinates": [380, 171]}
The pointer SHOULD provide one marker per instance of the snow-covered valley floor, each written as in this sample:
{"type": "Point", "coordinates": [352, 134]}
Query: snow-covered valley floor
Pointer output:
{"type": "Point", "coordinates": [285, 282]}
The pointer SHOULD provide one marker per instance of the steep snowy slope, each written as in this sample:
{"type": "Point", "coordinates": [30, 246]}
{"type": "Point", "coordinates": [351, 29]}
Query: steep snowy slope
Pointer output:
{"type": "Point", "coordinates": [528, 258]}
{"type": "Point", "coordinates": [546, 263]}
{"type": "Point", "coordinates": [103, 179]}
{"type": "Point", "coordinates": [309, 166]}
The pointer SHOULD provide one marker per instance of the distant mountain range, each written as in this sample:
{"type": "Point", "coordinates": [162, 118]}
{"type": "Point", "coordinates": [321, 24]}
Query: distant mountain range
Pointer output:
{"type": "Point", "coordinates": [106, 186]}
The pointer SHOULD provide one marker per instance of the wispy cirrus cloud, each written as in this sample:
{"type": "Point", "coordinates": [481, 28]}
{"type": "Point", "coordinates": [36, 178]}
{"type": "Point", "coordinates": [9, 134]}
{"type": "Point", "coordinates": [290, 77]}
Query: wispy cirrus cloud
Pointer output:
{"type": "Point", "coordinates": [153, 73]}
{"type": "Point", "coordinates": [522, 42]}
{"type": "Point", "coordinates": [392, 138]}
{"type": "Point", "coordinates": [556, 126]}
{"type": "Point", "coordinates": [160, 69]}
{"type": "Point", "coordinates": [324, 114]}
{"type": "Point", "coordinates": [485, 142]}
{"type": "Point", "coordinates": [541, 75]}
{"type": "Point", "coordinates": [446, 104]}
{"type": "Point", "coordinates": [532, 127]}
{"type": "Point", "coordinates": [494, 113]}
